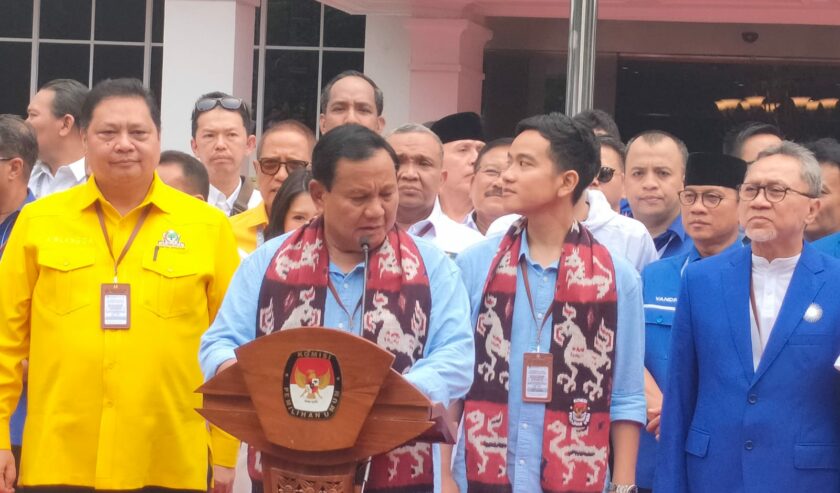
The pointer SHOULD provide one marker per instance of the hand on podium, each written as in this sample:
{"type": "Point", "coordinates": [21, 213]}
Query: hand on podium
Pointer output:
{"type": "Point", "coordinates": [8, 471]}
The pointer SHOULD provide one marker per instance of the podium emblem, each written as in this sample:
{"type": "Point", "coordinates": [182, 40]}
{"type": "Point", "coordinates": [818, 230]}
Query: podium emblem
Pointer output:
{"type": "Point", "coordinates": [312, 384]}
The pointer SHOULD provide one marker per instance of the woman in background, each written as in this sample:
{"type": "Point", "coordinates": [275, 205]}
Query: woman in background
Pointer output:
{"type": "Point", "coordinates": [292, 207]}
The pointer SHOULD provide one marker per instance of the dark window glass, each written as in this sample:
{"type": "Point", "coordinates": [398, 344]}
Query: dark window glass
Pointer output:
{"type": "Point", "coordinates": [291, 86]}
{"type": "Point", "coordinates": [342, 30]}
{"type": "Point", "coordinates": [257, 26]}
{"type": "Point", "coordinates": [336, 62]}
{"type": "Point", "coordinates": [65, 19]}
{"type": "Point", "coordinates": [156, 72]}
{"type": "Point", "coordinates": [111, 62]}
{"type": "Point", "coordinates": [254, 79]}
{"type": "Point", "coordinates": [14, 78]}
{"type": "Point", "coordinates": [293, 22]}
{"type": "Point", "coordinates": [16, 19]}
{"type": "Point", "coordinates": [120, 21]}
{"type": "Point", "coordinates": [157, 21]}
{"type": "Point", "coordinates": [63, 61]}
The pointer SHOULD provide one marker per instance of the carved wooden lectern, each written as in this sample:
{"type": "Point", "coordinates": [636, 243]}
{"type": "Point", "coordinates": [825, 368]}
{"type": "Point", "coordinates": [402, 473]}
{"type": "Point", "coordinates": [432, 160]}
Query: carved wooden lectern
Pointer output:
{"type": "Point", "coordinates": [317, 403]}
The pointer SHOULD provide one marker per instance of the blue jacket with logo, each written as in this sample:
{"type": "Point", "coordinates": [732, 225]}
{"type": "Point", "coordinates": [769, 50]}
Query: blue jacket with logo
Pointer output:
{"type": "Point", "coordinates": [660, 289]}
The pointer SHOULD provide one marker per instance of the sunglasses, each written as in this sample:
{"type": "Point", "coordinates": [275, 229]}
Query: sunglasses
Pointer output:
{"type": "Point", "coordinates": [270, 166]}
{"type": "Point", "coordinates": [605, 174]}
{"type": "Point", "coordinates": [227, 103]}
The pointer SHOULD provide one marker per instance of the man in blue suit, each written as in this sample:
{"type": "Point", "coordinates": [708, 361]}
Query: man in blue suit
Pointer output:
{"type": "Point", "coordinates": [752, 402]}
{"type": "Point", "coordinates": [710, 216]}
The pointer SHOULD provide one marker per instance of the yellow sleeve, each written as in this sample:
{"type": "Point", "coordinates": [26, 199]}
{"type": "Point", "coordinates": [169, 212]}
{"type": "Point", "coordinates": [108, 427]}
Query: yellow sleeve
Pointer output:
{"type": "Point", "coordinates": [18, 275]}
{"type": "Point", "coordinates": [227, 260]}
{"type": "Point", "coordinates": [223, 448]}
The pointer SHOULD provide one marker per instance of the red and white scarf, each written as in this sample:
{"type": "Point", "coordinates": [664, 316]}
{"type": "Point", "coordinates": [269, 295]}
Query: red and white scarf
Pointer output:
{"type": "Point", "coordinates": [293, 294]}
{"type": "Point", "coordinates": [576, 431]}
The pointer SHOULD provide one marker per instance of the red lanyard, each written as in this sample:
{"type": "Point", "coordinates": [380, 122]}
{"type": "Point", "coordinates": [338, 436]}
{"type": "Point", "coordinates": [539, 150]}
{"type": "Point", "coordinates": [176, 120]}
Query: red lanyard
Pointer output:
{"type": "Point", "coordinates": [524, 268]}
{"type": "Point", "coordinates": [128, 243]}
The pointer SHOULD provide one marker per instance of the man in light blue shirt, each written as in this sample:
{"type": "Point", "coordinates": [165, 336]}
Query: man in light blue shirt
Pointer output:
{"type": "Point", "coordinates": [354, 185]}
{"type": "Point", "coordinates": [552, 162]}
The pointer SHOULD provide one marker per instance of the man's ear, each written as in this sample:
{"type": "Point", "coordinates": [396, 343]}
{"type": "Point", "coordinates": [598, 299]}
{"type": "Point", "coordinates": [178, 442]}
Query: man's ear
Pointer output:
{"type": "Point", "coordinates": [194, 147]}
{"type": "Point", "coordinates": [813, 210]}
{"type": "Point", "coordinates": [380, 124]}
{"type": "Point", "coordinates": [318, 192]}
{"type": "Point", "coordinates": [321, 119]}
{"type": "Point", "coordinates": [567, 181]}
{"type": "Point", "coordinates": [15, 168]}
{"type": "Point", "coordinates": [67, 125]}
{"type": "Point", "coordinates": [251, 144]}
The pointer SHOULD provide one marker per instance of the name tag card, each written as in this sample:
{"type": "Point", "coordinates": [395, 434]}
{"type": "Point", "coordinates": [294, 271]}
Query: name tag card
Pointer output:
{"type": "Point", "coordinates": [537, 375]}
{"type": "Point", "coordinates": [116, 306]}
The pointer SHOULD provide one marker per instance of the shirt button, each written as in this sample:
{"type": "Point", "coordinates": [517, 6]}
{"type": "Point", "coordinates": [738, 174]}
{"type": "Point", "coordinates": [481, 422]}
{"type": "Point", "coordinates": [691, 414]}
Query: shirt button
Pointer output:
{"type": "Point", "coordinates": [524, 426]}
{"type": "Point", "coordinates": [659, 319]}
{"type": "Point", "coordinates": [340, 325]}
{"type": "Point", "coordinates": [539, 315]}
{"type": "Point", "coordinates": [346, 286]}
{"type": "Point", "coordinates": [521, 462]}
{"type": "Point", "coordinates": [752, 399]}
{"type": "Point", "coordinates": [109, 404]}
{"type": "Point", "coordinates": [748, 445]}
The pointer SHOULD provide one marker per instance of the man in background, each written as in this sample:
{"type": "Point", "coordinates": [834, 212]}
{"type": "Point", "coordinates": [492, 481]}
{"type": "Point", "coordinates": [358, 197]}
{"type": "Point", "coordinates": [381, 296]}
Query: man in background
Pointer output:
{"type": "Point", "coordinates": [462, 135]}
{"type": "Point", "coordinates": [54, 113]}
{"type": "Point", "coordinates": [181, 171]}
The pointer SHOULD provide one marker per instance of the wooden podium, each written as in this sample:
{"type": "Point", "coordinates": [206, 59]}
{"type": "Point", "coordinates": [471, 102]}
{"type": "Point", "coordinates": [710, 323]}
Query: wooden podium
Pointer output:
{"type": "Point", "coordinates": [317, 403]}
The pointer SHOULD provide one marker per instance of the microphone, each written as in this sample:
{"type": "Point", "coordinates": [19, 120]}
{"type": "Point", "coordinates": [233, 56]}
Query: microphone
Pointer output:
{"type": "Point", "coordinates": [364, 242]}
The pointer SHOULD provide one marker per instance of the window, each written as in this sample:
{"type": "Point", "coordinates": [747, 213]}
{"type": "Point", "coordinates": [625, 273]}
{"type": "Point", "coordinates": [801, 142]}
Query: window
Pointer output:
{"type": "Point", "coordinates": [299, 46]}
{"type": "Point", "coordinates": [86, 40]}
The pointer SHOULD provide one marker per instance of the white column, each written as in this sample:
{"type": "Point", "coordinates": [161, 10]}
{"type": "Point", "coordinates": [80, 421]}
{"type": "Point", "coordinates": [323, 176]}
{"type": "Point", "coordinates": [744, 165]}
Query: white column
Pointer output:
{"type": "Point", "coordinates": [208, 46]}
{"type": "Point", "coordinates": [387, 62]}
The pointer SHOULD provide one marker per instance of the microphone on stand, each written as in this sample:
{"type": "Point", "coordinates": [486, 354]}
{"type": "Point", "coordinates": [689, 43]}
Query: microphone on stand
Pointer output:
{"type": "Point", "coordinates": [364, 242]}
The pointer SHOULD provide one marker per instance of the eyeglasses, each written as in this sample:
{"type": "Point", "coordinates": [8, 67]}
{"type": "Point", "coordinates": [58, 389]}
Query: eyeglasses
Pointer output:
{"type": "Point", "coordinates": [605, 174]}
{"type": "Point", "coordinates": [774, 193]}
{"type": "Point", "coordinates": [227, 103]}
{"type": "Point", "coordinates": [270, 166]}
{"type": "Point", "coordinates": [709, 199]}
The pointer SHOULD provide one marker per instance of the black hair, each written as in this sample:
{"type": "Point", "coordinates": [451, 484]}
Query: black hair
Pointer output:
{"type": "Point", "coordinates": [733, 141]}
{"type": "Point", "coordinates": [287, 125]}
{"type": "Point", "coordinates": [69, 98]}
{"type": "Point", "coordinates": [572, 146]}
{"type": "Point", "coordinates": [493, 144]}
{"type": "Point", "coordinates": [827, 151]}
{"type": "Point", "coordinates": [17, 139]}
{"type": "Point", "coordinates": [295, 184]}
{"type": "Point", "coordinates": [378, 96]}
{"type": "Point", "coordinates": [194, 172]}
{"type": "Point", "coordinates": [243, 111]}
{"type": "Point", "coordinates": [616, 145]}
{"type": "Point", "coordinates": [350, 141]}
{"type": "Point", "coordinates": [599, 120]}
{"type": "Point", "coordinates": [118, 88]}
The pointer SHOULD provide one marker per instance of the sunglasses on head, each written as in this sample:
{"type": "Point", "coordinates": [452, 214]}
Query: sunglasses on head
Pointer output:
{"type": "Point", "coordinates": [605, 174]}
{"type": "Point", "coordinates": [228, 103]}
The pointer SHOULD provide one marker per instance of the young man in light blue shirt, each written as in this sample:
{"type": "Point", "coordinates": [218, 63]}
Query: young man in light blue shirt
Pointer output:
{"type": "Point", "coordinates": [549, 301]}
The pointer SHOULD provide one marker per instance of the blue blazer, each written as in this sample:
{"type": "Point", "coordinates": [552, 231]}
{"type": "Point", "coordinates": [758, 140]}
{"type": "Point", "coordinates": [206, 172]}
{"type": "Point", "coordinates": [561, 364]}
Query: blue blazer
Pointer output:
{"type": "Point", "coordinates": [728, 428]}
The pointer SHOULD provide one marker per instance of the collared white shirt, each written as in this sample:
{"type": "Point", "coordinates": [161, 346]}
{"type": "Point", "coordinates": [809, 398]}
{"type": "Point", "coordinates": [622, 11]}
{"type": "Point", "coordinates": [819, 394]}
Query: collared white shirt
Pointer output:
{"type": "Point", "coordinates": [770, 282]}
{"type": "Point", "coordinates": [43, 183]}
{"type": "Point", "coordinates": [217, 199]}
{"type": "Point", "coordinates": [623, 236]}
{"type": "Point", "coordinates": [444, 233]}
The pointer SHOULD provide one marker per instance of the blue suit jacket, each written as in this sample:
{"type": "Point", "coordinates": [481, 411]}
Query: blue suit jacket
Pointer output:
{"type": "Point", "coordinates": [829, 245]}
{"type": "Point", "coordinates": [726, 427]}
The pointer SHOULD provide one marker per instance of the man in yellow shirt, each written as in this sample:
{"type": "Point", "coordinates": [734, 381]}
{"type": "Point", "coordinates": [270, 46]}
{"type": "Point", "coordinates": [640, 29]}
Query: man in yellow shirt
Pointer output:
{"type": "Point", "coordinates": [285, 147]}
{"type": "Point", "coordinates": [108, 288]}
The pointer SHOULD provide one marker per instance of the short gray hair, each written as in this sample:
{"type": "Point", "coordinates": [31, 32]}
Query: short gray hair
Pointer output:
{"type": "Point", "coordinates": [17, 139]}
{"type": "Point", "coordinates": [809, 168]}
{"type": "Point", "coordinates": [417, 128]}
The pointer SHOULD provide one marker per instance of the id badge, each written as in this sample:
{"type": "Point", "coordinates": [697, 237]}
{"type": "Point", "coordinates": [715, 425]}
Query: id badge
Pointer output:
{"type": "Point", "coordinates": [538, 371]}
{"type": "Point", "coordinates": [116, 306]}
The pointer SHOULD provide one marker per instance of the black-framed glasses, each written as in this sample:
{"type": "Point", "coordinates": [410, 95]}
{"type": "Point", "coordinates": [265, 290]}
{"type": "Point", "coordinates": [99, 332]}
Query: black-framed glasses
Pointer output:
{"type": "Point", "coordinates": [774, 192]}
{"type": "Point", "coordinates": [270, 166]}
{"type": "Point", "coordinates": [228, 103]}
{"type": "Point", "coordinates": [605, 174]}
{"type": "Point", "coordinates": [709, 199]}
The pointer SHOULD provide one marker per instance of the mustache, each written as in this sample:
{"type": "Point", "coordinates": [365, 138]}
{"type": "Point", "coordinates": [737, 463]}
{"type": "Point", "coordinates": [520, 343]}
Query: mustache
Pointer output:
{"type": "Point", "coordinates": [493, 192]}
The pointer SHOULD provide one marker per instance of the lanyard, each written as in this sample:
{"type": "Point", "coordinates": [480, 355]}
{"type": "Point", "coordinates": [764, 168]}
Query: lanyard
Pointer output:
{"type": "Point", "coordinates": [350, 316]}
{"type": "Point", "coordinates": [524, 268]}
{"type": "Point", "coordinates": [128, 243]}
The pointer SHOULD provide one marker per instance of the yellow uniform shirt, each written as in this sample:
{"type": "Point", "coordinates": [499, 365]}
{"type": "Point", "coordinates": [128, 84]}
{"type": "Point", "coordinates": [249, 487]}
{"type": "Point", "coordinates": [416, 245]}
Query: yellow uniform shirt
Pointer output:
{"type": "Point", "coordinates": [248, 228]}
{"type": "Point", "coordinates": [111, 409]}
